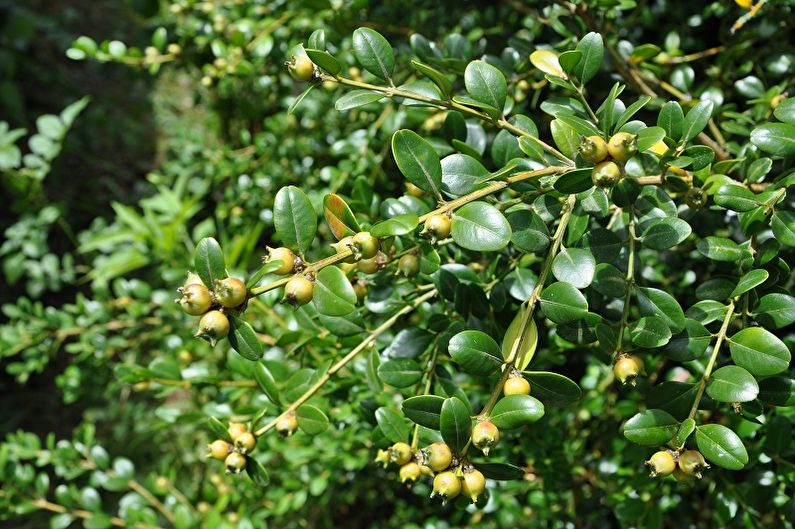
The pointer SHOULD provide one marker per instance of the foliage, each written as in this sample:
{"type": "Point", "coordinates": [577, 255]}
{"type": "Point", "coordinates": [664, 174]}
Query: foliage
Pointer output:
{"type": "Point", "coordinates": [539, 193]}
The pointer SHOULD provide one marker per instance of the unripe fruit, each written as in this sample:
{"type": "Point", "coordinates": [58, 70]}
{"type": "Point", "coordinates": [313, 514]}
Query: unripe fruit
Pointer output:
{"type": "Point", "coordinates": [360, 288]}
{"type": "Point", "coordinates": [287, 425]}
{"type": "Point", "coordinates": [192, 279]}
{"type": "Point", "coordinates": [236, 429]}
{"type": "Point", "coordinates": [246, 442]}
{"type": "Point", "coordinates": [413, 190]}
{"type": "Point", "coordinates": [346, 243]}
{"type": "Point", "coordinates": [485, 435]}
{"type": "Point", "coordinates": [298, 291]}
{"type": "Point", "coordinates": [369, 266]}
{"type": "Point", "coordinates": [230, 292]}
{"type": "Point", "coordinates": [691, 462]}
{"type": "Point", "coordinates": [661, 464]}
{"type": "Point", "coordinates": [696, 198]}
{"type": "Point", "coordinates": [439, 456]}
{"type": "Point", "coordinates": [627, 368]}
{"type": "Point", "coordinates": [219, 449]}
{"type": "Point", "coordinates": [367, 244]}
{"type": "Point", "coordinates": [517, 385]}
{"type": "Point", "coordinates": [235, 463]}
{"type": "Point", "coordinates": [606, 174]}
{"type": "Point", "coordinates": [409, 265]}
{"type": "Point", "coordinates": [447, 485]}
{"type": "Point", "coordinates": [473, 485]}
{"type": "Point", "coordinates": [301, 68]}
{"type": "Point", "coordinates": [195, 299]}
{"type": "Point", "coordinates": [622, 146]}
{"type": "Point", "coordinates": [286, 256]}
{"type": "Point", "coordinates": [213, 326]}
{"type": "Point", "coordinates": [410, 472]}
{"type": "Point", "coordinates": [438, 226]}
{"type": "Point", "coordinates": [400, 453]}
{"type": "Point", "coordinates": [593, 149]}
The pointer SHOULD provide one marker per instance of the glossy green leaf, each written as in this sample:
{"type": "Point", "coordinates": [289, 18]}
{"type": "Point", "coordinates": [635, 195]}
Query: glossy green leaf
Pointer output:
{"type": "Point", "coordinates": [244, 340]}
{"type": "Point", "coordinates": [481, 227]}
{"type": "Point", "coordinates": [735, 197]}
{"type": "Point", "coordinates": [566, 138]}
{"type": "Point", "coordinates": [553, 389]}
{"type": "Point", "coordinates": [333, 294]}
{"type": "Point", "coordinates": [476, 352]}
{"type": "Point", "coordinates": [218, 428]}
{"type": "Point", "coordinates": [311, 420]}
{"type": "Point", "coordinates": [650, 332]}
{"type": "Point", "coordinates": [660, 304]}
{"type": "Point", "coordinates": [721, 446]}
{"type": "Point", "coordinates": [257, 472]}
{"type": "Point", "coordinates": [785, 111]}
{"type": "Point", "coordinates": [759, 351]}
{"type": "Point", "coordinates": [750, 280]}
{"type": "Point", "coordinates": [649, 137]}
{"type": "Point", "coordinates": [462, 174]}
{"type": "Point", "coordinates": [500, 471]}
{"type": "Point", "coordinates": [696, 119]}
{"type": "Point", "coordinates": [576, 181]}
{"type": "Point", "coordinates": [586, 128]}
{"type": "Point", "coordinates": [720, 249]}
{"type": "Point", "coordinates": [783, 224]}
{"type": "Point", "coordinates": [357, 98]}
{"type": "Point", "coordinates": [400, 372]}
{"type": "Point", "coordinates": [266, 382]}
{"type": "Point", "coordinates": [631, 110]}
{"type": "Point", "coordinates": [671, 119]}
{"type": "Point", "coordinates": [418, 161]}
{"type": "Point", "coordinates": [294, 218]}
{"type": "Point", "coordinates": [439, 79]}
{"type": "Point", "coordinates": [592, 48]}
{"type": "Point", "coordinates": [455, 424]}
{"type": "Point", "coordinates": [516, 411]}
{"type": "Point", "coordinates": [486, 84]}
{"type": "Point", "coordinates": [398, 225]}
{"type": "Point", "coordinates": [339, 216]}
{"type": "Point", "coordinates": [732, 384]}
{"type": "Point", "coordinates": [651, 428]}
{"type": "Point", "coordinates": [778, 391]}
{"type": "Point", "coordinates": [775, 310]}
{"type": "Point", "coordinates": [392, 425]}
{"type": "Point", "coordinates": [574, 266]}
{"type": "Point", "coordinates": [666, 233]}
{"type": "Point", "coordinates": [686, 429]}
{"type": "Point", "coordinates": [425, 410]}
{"type": "Point", "coordinates": [690, 344]}
{"type": "Point", "coordinates": [208, 260]}
{"type": "Point", "coordinates": [528, 231]}
{"type": "Point", "coordinates": [409, 343]}
{"type": "Point", "coordinates": [777, 139]}
{"type": "Point", "coordinates": [373, 52]}
{"type": "Point", "coordinates": [563, 303]}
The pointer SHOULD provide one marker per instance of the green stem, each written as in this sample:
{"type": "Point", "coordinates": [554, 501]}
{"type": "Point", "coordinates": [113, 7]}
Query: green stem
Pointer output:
{"type": "Point", "coordinates": [712, 359]}
{"type": "Point", "coordinates": [452, 105]}
{"type": "Point", "coordinates": [415, 439]}
{"type": "Point", "coordinates": [630, 280]}
{"type": "Point", "coordinates": [366, 343]}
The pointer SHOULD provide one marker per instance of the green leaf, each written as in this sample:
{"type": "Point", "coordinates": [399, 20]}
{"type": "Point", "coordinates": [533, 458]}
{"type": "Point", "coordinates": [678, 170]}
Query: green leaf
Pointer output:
{"type": "Point", "coordinates": [651, 428]}
{"type": "Point", "coordinates": [720, 249]}
{"type": "Point", "coordinates": [400, 372]}
{"type": "Point", "coordinates": [650, 332]}
{"type": "Point", "coordinates": [649, 137]}
{"type": "Point", "coordinates": [324, 60]}
{"type": "Point", "coordinates": [785, 111]}
{"type": "Point", "coordinates": [333, 293]}
{"type": "Point", "coordinates": [779, 436]}
{"type": "Point", "coordinates": [266, 382]}
{"type": "Point", "coordinates": [576, 181]}
{"type": "Point", "coordinates": [686, 429]}
{"type": "Point", "coordinates": [418, 161]}
{"type": "Point", "coordinates": [218, 428]}
{"type": "Point", "coordinates": [500, 471]}
{"type": "Point", "coordinates": [294, 218]}
{"type": "Point", "coordinates": [547, 61]}
{"type": "Point", "coordinates": [721, 446]}
{"type": "Point", "coordinates": [655, 302]}
{"type": "Point", "coordinates": [569, 59]}
{"type": "Point", "coordinates": [566, 138]}
{"type": "Point", "coordinates": [476, 352]}
{"type": "Point", "coordinates": [690, 344]}
{"type": "Point", "coordinates": [574, 266]}
{"type": "Point", "coordinates": [373, 52]}
{"type": "Point", "coordinates": [671, 119]}
{"type": "Point", "coordinates": [425, 410]}
{"type": "Point", "coordinates": [593, 51]}
{"type": "Point", "coordinates": [631, 111]}
{"type": "Point", "coordinates": [759, 351]}
{"type": "Point", "coordinates": [586, 128]}
{"type": "Point", "coordinates": [696, 119]}
{"type": "Point", "coordinates": [750, 280]}
{"type": "Point", "coordinates": [398, 225]}
{"type": "Point", "coordinates": [392, 425]}
{"type": "Point", "coordinates": [732, 384]}
{"type": "Point", "coordinates": [777, 139]}
{"type": "Point", "coordinates": [208, 259]}
{"type": "Point", "coordinates": [455, 424]}
{"type": "Point", "coordinates": [528, 231]}
{"type": "Point", "coordinates": [357, 98]}
{"type": "Point", "coordinates": [783, 225]}
{"type": "Point", "coordinates": [257, 472]}
{"type": "Point", "coordinates": [775, 310]}
{"type": "Point", "coordinates": [439, 79]}
{"type": "Point", "coordinates": [462, 174]}
{"type": "Point", "coordinates": [486, 84]}
{"type": "Point", "coordinates": [481, 227]}
{"type": "Point", "coordinates": [563, 303]}
{"type": "Point", "coordinates": [311, 420]}
{"type": "Point", "coordinates": [339, 216]}
{"type": "Point", "coordinates": [553, 389]}
{"type": "Point", "coordinates": [244, 340]}
{"type": "Point", "coordinates": [666, 233]}
{"type": "Point", "coordinates": [778, 391]}
{"type": "Point", "coordinates": [529, 341]}
{"type": "Point", "coordinates": [409, 343]}
{"type": "Point", "coordinates": [735, 197]}
{"type": "Point", "coordinates": [516, 411]}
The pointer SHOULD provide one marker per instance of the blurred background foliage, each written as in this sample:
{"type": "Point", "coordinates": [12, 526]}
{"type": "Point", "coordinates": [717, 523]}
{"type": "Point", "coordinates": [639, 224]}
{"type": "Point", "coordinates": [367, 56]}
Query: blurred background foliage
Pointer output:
{"type": "Point", "coordinates": [168, 121]}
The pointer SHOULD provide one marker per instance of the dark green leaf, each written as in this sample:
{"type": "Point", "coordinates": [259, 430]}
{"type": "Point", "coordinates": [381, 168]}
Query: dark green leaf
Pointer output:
{"type": "Point", "coordinates": [486, 84]}
{"type": "Point", "coordinates": [735, 197]}
{"type": "Point", "coordinates": [696, 119]}
{"type": "Point", "coordinates": [563, 303]}
{"type": "Point", "coordinates": [575, 181]}
{"type": "Point", "coordinates": [434, 75]}
{"type": "Point", "coordinates": [732, 384]}
{"type": "Point", "coordinates": [392, 425]}
{"type": "Point", "coordinates": [398, 225]}
{"type": "Point", "coordinates": [208, 259]}
{"type": "Point", "coordinates": [778, 391]}
{"type": "Point", "coordinates": [671, 119]}
{"type": "Point", "coordinates": [655, 302]}
{"type": "Point", "coordinates": [455, 424]}
{"type": "Point", "coordinates": [373, 52]}
{"type": "Point", "coordinates": [462, 174]}
{"type": "Point", "coordinates": [424, 410]}
{"type": "Point", "coordinates": [357, 98]}
{"type": "Point", "coordinates": [339, 216]}
{"type": "Point", "coordinates": [481, 227]}
{"type": "Point", "coordinates": [783, 225]}
{"type": "Point", "coordinates": [218, 428]}
{"type": "Point", "coordinates": [266, 382]}
{"type": "Point", "coordinates": [775, 310]}
{"type": "Point", "coordinates": [720, 249]}
{"type": "Point", "coordinates": [777, 139]}
{"type": "Point", "coordinates": [553, 389]}
{"type": "Point", "coordinates": [418, 161]}
{"type": "Point", "coordinates": [244, 340]}
{"type": "Point", "coordinates": [666, 233]}
{"type": "Point", "coordinates": [311, 420]}
{"type": "Point", "coordinates": [650, 332]}
{"type": "Point", "coordinates": [593, 51]}
{"type": "Point", "coordinates": [516, 411]}
{"type": "Point", "coordinates": [257, 472]}
{"type": "Point", "coordinates": [690, 344]}
{"type": "Point", "coordinates": [476, 352]}
{"type": "Point", "coordinates": [294, 218]}
{"type": "Point", "coordinates": [400, 372]}
{"type": "Point", "coordinates": [721, 446]}
{"type": "Point", "coordinates": [750, 280]}
{"type": "Point", "coordinates": [500, 471]}
{"type": "Point", "coordinates": [651, 428]}
{"type": "Point", "coordinates": [575, 266]}
{"type": "Point", "coordinates": [333, 294]}
{"type": "Point", "coordinates": [324, 60]}
{"type": "Point", "coordinates": [759, 351]}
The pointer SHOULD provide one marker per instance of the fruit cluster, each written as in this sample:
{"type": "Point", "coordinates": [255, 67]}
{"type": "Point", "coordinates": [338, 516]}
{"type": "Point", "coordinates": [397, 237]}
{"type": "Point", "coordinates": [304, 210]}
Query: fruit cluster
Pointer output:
{"type": "Point", "coordinates": [619, 148]}
{"type": "Point", "coordinates": [682, 464]}
{"type": "Point", "coordinates": [233, 455]}
{"type": "Point", "coordinates": [228, 294]}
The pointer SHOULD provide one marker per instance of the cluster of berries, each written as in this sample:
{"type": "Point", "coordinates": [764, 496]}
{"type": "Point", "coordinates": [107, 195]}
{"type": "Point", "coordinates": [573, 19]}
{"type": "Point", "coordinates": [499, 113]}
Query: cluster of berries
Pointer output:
{"type": "Point", "coordinates": [683, 465]}
{"type": "Point", "coordinates": [228, 294]}
{"type": "Point", "coordinates": [233, 455]}
{"type": "Point", "coordinates": [619, 148]}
